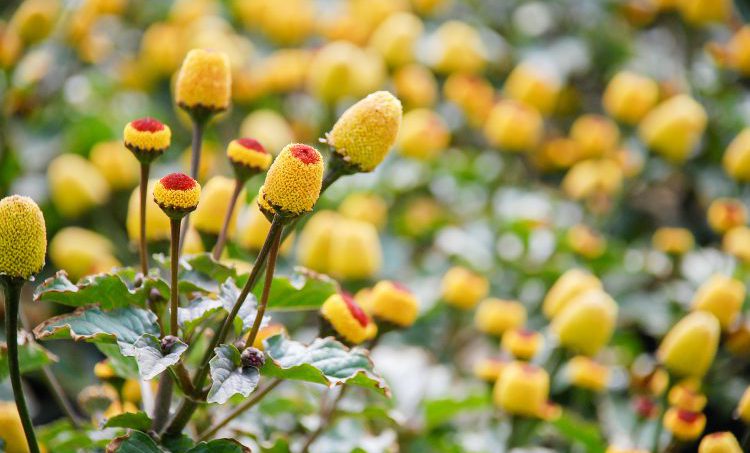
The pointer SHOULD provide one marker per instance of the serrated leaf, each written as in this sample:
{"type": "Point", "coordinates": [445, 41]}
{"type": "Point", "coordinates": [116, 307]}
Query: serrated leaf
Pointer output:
{"type": "Point", "coordinates": [91, 324]}
{"type": "Point", "coordinates": [133, 442]}
{"type": "Point", "coordinates": [31, 355]}
{"type": "Point", "coordinates": [579, 430]}
{"type": "Point", "coordinates": [220, 446]}
{"type": "Point", "coordinates": [229, 376]}
{"type": "Point", "coordinates": [150, 358]}
{"type": "Point", "coordinates": [325, 361]}
{"type": "Point", "coordinates": [203, 307]}
{"type": "Point", "coordinates": [133, 420]}
{"type": "Point", "coordinates": [305, 290]}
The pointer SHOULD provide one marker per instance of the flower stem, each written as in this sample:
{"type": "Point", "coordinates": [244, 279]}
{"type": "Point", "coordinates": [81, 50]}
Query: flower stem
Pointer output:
{"type": "Point", "coordinates": [326, 418]}
{"type": "Point", "coordinates": [259, 395]}
{"type": "Point", "coordinates": [266, 288]}
{"type": "Point", "coordinates": [162, 401]}
{"type": "Point", "coordinates": [12, 288]}
{"type": "Point", "coordinates": [142, 245]}
{"type": "Point", "coordinates": [195, 162]}
{"type": "Point", "coordinates": [660, 419]}
{"type": "Point", "coordinates": [174, 292]}
{"type": "Point", "coordinates": [219, 247]}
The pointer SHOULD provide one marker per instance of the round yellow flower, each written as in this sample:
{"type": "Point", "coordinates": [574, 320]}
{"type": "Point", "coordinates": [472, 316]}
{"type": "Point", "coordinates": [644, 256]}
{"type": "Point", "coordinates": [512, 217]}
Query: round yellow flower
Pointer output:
{"type": "Point", "coordinates": [23, 237]}
{"type": "Point", "coordinates": [366, 131]}
{"type": "Point", "coordinates": [213, 206]}
{"type": "Point", "coordinates": [676, 241]}
{"type": "Point", "coordinates": [596, 135]}
{"type": "Point", "coordinates": [459, 48]}
{"type": "Point", "coordinates": [674, 127]}
{"type": "Point", "coordinates": [463, 288]}
{"type": "Point", "coordinates": [685, 395]}
{"type": "Point", "coordinates": [585, 373]}
{"type": "Point", "coordinates": [396, 38]}
{"type": "Point", "coordinates": [587, 323]}
{"type": "Point", "coordinates": [177, 192]}
{"type": "Point", "coordinates": [204, 82]}
{"type": "Point", "coordinates": [147, 138]}
{"type": "Point", "coordinates": [355, 251]}
{"type": "Point", "coordinates": [116, 164]}
{"type": "Point", "coordinates": [392, 302]}
{"type": "Point", "coordinates": [522, 344]}
{"type": "Point", "coordinates": [12, 434]}
{"type": "Point", "coordinates": [423, 135]}
{"type": "Point", "coordinates": [513, 126]}
{"type": "Point", "coordinates": [721, 296]}
{"type": "Point", "coordinates": [629, 96]}
{"type": "Point", "coordinates": [522, 389]}
{"type": "Point", "coordinates": [736, 242]}
{"type": "Point", "coordinates": [535, 85]}
{"type": "Point", "coordinates": [293, 182]}
{"type": "Point", "coordinates": [720, 442]}
{"type": "Point", "coordinates": [75, 185]}
{"type": "Point", "coordinates": [341, 70]}
{"type": "Point", "coordinates": [690, 346]}
{"type": "Point", "coordinates": [567, 287]}
{"type": "Point", "coordinates": [248, 156]}
{"type": "Point", "coordinates": [80, 252]}
{"type": "Point", "coordinates": [415, 85]}
{"type": "Point", "coordinates": [726, 213]}
{"type": "Point", "coordinates": [347, 318]}
{"type": "Point", "coordinates": [313, 249]}
{"type": "Point", "coordinates": [684, 425]}
{"type": "Point", "coordinates": [703, 12]}
{"type": "Point", "coordinates": [736, 159]}
{"type": "Point", "coordinates": [496, 316]}
{"type": "Point", "coordinates": [103, 370]}
{"type": "Point", "coordinates": [489, 370]}
{"type": "Point", "coordinates": [586, 242]}
{"type": "Point", "coordinates": [593, 177]}
{"type": "Point", "coordinates": [252, 227]}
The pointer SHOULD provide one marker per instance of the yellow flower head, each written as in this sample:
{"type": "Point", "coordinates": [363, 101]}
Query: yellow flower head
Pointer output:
{"type": "Point", "coordinates": [535, 84]}
{"type": "Point", "coordinates": [294, 180]}
{"type": "Point", "coordinates": [248, 157]}
{"type": "Point", "coordinates": [415, 85]}
{"type": "Point", "coordinates": [463, 288]}
{"type": "Point", "coordinates": [157, 223]}
{"type": "Point", "coordinates": [570, 284]}
{"type": "Point", "coordinates": [131, 391]}
{"type": "Point", "coordinates": [12, 433]}
{"type": "Point", "coordinates": [736, 242]}
{"type": "Point", "coordinates": [690, 346]}
{"type": "Point", "coordinates": [265, 208]}
{"type": "Point", "coordinates": [252, 227]}
{"type": "Point", "coordinates": [214, 203]}
{"type": "Point", "coordinates": [674, 127]}
{"type": "Point", "coordinates": [586, 242]}
{"type": "Point", "coordinates": [459, 48]}
{"type": "Point", "coordinates": [585, 373]}
{"type": "Point", "coordinates": [365, 207]}
{"type": "Point", "coordinates": [116, 163]}
{"type": "Point", "coordinates": [341, 69]}
{"type": "Point", "coordinates": [720, 442]}
{"type": "Point", "coordinates": [592, 178]}
{"type": "Point", "coordinates": [393, 302]}
{"type": "Point", "coordinates": [684, 425]}
{"type": "Point", "coordinates": [522, 389]}
{"type": "Point", "coordinates": [355, 251]}
{"type": "Point", "coordinates": [496, 316]}
{"type": "Point", "coordinates": [267, 332]}
{"type": "Point", "coordinates": [686, 395]}
{"type": "Point", "coordinates": [630, 96]}
{"type": "Point", "coordinates": [673, 240]}
{"type": "Point", "coordinates": [703, 12]}
{"type": "Point", "coordinates": [513, 126]}
{"type": "Point", "coordinates": [424, 134]}
{"type": "Point", "coordinates": [204, 82]}
{"type": "Point", "coordinates": [490, 369]}
{"type": "Point", "coordinates": [474, 95]}
{"type": "Point", "coordinates": [35, 19]}
{"type": "Point", "coordinates": [587, 323]}
{"type": "Point", "coordinates": [721, 296]}
{"type": "Point", "coordinates": [522, 344]}
{"type": "Point", "coordinates": [80, 252]}
{"type": "Point", "coordinates": [177, 193]}
{"type": "Point", "coordinates": [366, 131]}
{"type": "Point", "coordinates": [75, 185]}
{"type": "Point", "coordinates": [23, 237]}
{"type": "Point", "coordinates": [147, 138]}
{"type": "Point", "coordinates": [736, 159]}
{"type": "Point", "coordinates": [743, 407]}
{"type": "Point", "coordinates": [596, 135]}
{"type": "Point", "coordinates": [726, 213]}
{"type": "Point", "coordinates": [348, 319]}
{"type": "Point", "coordinates": [396, 38]}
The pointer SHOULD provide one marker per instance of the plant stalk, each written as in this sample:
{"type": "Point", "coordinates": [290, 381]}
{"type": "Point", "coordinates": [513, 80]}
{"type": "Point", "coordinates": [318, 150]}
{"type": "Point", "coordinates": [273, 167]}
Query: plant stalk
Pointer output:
{"type": "Point", "coordinates": [195, 162]}
{"type": "Point", "coordinates": [219, 246]}
{"type": "Point", "coordinates": [142, 245]}
{"type": "Point", "coordinates": [266, 288]}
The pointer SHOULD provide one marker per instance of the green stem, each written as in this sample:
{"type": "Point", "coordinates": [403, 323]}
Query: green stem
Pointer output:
{"type": "Point", "coordinates": [195, 162]}
{"type": "Point", "coordinates": [12, 288]}
{"type": "Point", "coordinates": [162, 401]}
{"type": "Point", "coordinates": [174, 292]}
{"type": "Point", "coordinates": [266, 288]}
{"type": "Point", "coordinates": [142, 245]}
{"type": "Point", "coordinates": [219, 247]}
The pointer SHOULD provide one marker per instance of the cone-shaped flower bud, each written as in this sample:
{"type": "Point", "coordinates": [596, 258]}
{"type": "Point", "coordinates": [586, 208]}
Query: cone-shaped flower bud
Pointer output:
{"type": "Point", "coordinates": [177, 194]}
{"type": "Point", "coordinates": [23, 237]}
{"type": "Point", "coordinates": [294, 180]}
{"type": "Point", "coordinates": [392, 302]}
{"type": "Point", "coordinates": [204, 83]}
{"type": "Point", "coordinates": [690, 346]}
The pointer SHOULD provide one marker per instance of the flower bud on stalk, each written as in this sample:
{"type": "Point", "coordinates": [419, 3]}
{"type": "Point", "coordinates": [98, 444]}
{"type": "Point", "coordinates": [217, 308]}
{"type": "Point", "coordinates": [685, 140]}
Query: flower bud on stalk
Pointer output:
{"type": "Point", "coordinates": [587, 323]}
{"type": "Point", "coordinates": [690, 346]}
{"type": "Point", "coordinates": [721, 296]}
{"type": "Point", "coordinates": [721, 442]}
{"type": "Point", "coordinates": [684, 425]}
{"type": "Point", "coordinates": [347, 318]}
{"type": "Point", "coordinates": [463, 288]}
{"type": "Point", "coordinates": [204, 84]}
{"type": "Point", "coordinates": [393, 303]}
{"type": "Point", "coordinates": [294, 181]}
{"type": "Point", "coordinates": [522, 344]}
{"type": "Point", "coordinates": [522, 389]}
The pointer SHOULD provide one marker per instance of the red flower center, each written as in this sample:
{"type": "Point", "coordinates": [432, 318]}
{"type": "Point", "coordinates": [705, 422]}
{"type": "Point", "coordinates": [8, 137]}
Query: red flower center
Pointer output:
{"type": "Point", "coordinates": [401, 287]}
{"type": "Point", "coordinates": [306, 154]}
{"type": "Point", "coordinates": [147, 124]}
{"type": "Point", "coordinates": [253, 144]}
{"type": "Point", "coordinates": [355, 310]}
{"type": "Point", "coordinates": [687, 416]}
{"type": "Point", "coordinates": [524, 333]}
{"type": "Point", "coordinates": [178, 181]}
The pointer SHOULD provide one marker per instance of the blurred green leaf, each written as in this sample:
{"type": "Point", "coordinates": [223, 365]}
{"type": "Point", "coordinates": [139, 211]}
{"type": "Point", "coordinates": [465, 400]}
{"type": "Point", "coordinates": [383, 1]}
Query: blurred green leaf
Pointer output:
{"type": "Point", "coordinates": [305, 290]}
{"type": "Point", "coordinates": [220, 446]}
{"type": "Point", "coordinates": [441, 411]}
{"type": "Point", "coordinates": [580, 431]}
{"type": "Point", "coordinates": [150, 358]}
{"type": "Point", "coordinates": [133, 420]}
{"type": "Point", "coordinates": [31, 355]}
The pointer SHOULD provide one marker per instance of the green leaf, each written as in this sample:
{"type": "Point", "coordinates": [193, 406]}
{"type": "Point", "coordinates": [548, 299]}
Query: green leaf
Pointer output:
{"type": "Point", "coordinates": [204, 307]}
{"type": "Point", "coordinates": [125, 367]}
{"type": "Point", "coordinates": [220, 446]}
{"type": "Point", "coordinates": [177, 444]}
{"type": "Point", "coordinates": [62, 437]}
{"type": "Point", "coordinates": [31, 355]}
{"type": "Point", "coordinates": [133, 420]}
{"type": "Point", "coordinates": [581, 431]}
{"type": "Point", "coordinates": [133, 442]}
{"type": "Point", "coordinates": [325, 361]}
{"type": "Point", "coordinates": [305, 290]}
{"type": "Point", "coordinates": [441, 411]}
{"type": "Point", "coordinates": [229, 376]}
{"type": "Point", "coordinates": [150, 358]}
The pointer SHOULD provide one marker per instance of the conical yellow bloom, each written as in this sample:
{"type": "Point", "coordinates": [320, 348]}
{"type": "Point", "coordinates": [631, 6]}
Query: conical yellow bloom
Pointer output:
{"type": "Point", "coordinates": [522, 344]}
{"type": "Point", "coordinates": [355, 251]}
{"type": "Point", "coordinates": [348, 319]}
{"type": "Point", "coordinates": [721, 296]}
{"type": "Point", "coordinates": [75, 185]}
{"type": "Point", "coordinates": [586, 242]}
{"type": "Point", "coordinates": [736, 242]}
{"type": "Point", "coordinates": [459, 48]}
{"type": "Point", "coordinates": [596, 135]}
{"type": "Point", "coordinates": [567, 287]}
{"type": "Point", "coordinates": [676, 241]}
{"type": "Point", "coordinates": [394, 303]}
{"type": "Point", "coordinates": [285, 70]}
{"type": "Point", "coordinates": [131, 391]}
{"type": "Point", "coordinates": [269, 128]}
{"type": "Point", "coordinates": [35, 19]}
{"type": "Point", "coordinates": [535, 85]}
{"type": "Point", "coordinates": [315, 241]}
{"type": "Point", "coordinates": [743, 407]}
{"type": "Point", "coordinates": [630, 96]}
{"type": "Point", "coordinates": [463, 288]}
{"type": "Point", "coordinates": [686, 395]}
{"type": "Point", "coordinates": [522, 389]}
{"type": "Point", "coordinates": [248, 154]}
{"type": "Point", "coordinates": [368, 208]}
{"type": "Point", "coordinates": [674, 127]}
{"type": "Point", "coordinates": [690, 346]}
{"type": "Point", "coordinates": [147, 135]}
{"type": "Point", "coordinates": [12, 434]}
{"type": "Point", "coordinates": [288, 22]}
{"type": "Point", "coordinates": [341, 70]}
{"type": "Point", "coordinates": [396, 37]}
{"type": "Point", "coordinates": [702, 12]}
{"type": "Point", "coordinates": [157, 223]}
{"type": "Point", "coordinates": [212, 209]}
{"type": "Point", "coordinates": [177, 191]}
{"type": "Point", "coordinates": [424, 134]}
{"type": "Point", "coordinates": [684, 425]}
{"type": "Point", "coordinates": [737, 156]}
{"type": "Point", "coordinates": [513, 126]}
{"type": "Point", "coordinates": [585, 373]}
{"type": "Point", "coordinates": [294, 180]}
{"type": "Point", "coordinates": [587, 323]}
{"type": "Point", "coordinates": [496, 316]}
{"type": "Point", "coordinates": [721, 442]}
{"type": "Point", "coordinates": [366, 131]}
{"type": "Point", "coordinates": [415, 85]}
{"type": "Point", "coordinates": [116, 163]}
{"type": "Point", "coordinates": [726, 213]}
{"type": "Point", "coordinates": [23, 237]}
{"type": "Point", "coordinates": [80, 252]}
{"type": "Point", "coordinates": [204, 81]}
{"type": "Point", "coordinates": [490, 369]}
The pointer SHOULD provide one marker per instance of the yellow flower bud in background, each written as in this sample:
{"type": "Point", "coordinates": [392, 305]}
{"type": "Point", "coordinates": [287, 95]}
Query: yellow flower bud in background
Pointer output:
{"type": "Point", "coordinates": [252, 227]}
{"type": "Point", "coordinates": [426, 7]}
{"type": "Point", "coordinates": [615, 449]}
{"type": "Point", "coordinates": [366, 207]}
{"type": "Point", "coordinates": [559, 152]}
{"type": "Point", "coordinates": [738, 341]}
{"type": "Point", "coordinates": [315, 241]}
{"type": "Point", "coordinates": [736, 159]}
{"type": "Point", "coordinates": [719, 442]}
{"type": "Point", "coordinates": [686, 395]}
{"type": "Point", "coordinates": [248, 157]}
{"type": "Point", "coordinates": [367, 130]}
{"type": "Point", "coordinates": [293, 182]}
{"type": "Point", "coordinates": [212, 209]}
{"type": "Point", "coordinates": [162, 59]}
{"type": "Point", "coordinates": [117, 408]}
{"type": "Point", "coordinates": [103, 370]}
{"type": "Point", "coordinates": [285, 70]}
{"type": "Point", "coordinates": [586, 242]}
{"type": "Point", "coordinates": [736, 242]}
{"type": "Point", "coordinates": [204, 81]}
{"type": "Point", "coordinates": [10, 45]}
{"type": "Point", "coordinates": [396, 37]}
{"type": "Point", "coordinates": [743, 407]}
{"type": "Point", "coordinates": [355, 251]}
{"type": "Point", "coordinates": [684, 425]}
{"type": "Point", "coordinates": [392, 302]}
{"type": "Point", "coordinates": [340, 70]}
{"type": "Point", "coordinates": [674, 127]}
{"type": "Point", "coordinates": [586, 324]}
{"type": "Point", "coordinates": [534, 85]}
{"type": "Point", "coordinates": [81, 252]}
{"type": "Point", "coordinates": [35, 19]}
{"type": "Point", "coordinates": [496, 316]}
{"type": "Point", "coordinates": [267, 332]}
{"type": "Point", "coordinates": [131, 391]}
{"type": "Point", "coordinates": [474, 95]}
{"type": "Point", "coordinates": [12, 434]}
{"type": "Point", "coordinates": [522, 389]}
{"type": "Point", "coordinates": [676, 241]}
{"type": "Point", "coordinates": [463, 288]}
{"type": "Point", "coordinates": [588, 374]}
{"type": "Point", "coordinates": [369, 15]}
{"type": "Point", "coordinates": [513, 126]}
{"type": "Point", "coordinates": [177, 192]}
{"type": "Point", "coordinates": [116, 164]}
{"type": "Point", "coordinates": [690, 346]}
{"type": "Point", "coordinates": [736, 53]}
{"type": "Point", "coordinates": [347, 318]}
{"type": "Point", "coordinates": [157, 223]}
{"type": "Point", "coordinates": [489, 370]}
{"type": "Point", "coordinates": [721, 296]}
{"type": "Point", "coordinates": [703, 12]}
{"type": "Point", "coordinates": [596, 135]}
{"type": "Point", "coordinates": [423, 135]}
{"type": "Point", "coordinates": [458, 47]}
{"type": "Point", "coordinates": [568, 286]}
{"type": "Point", "coordinates": [23, 237]}
{"type": "Point", "coordinates": [288, 22]}
{"type": "Point", "coordinates": [630, 96]}
{"type": "Point", "coordinates": [592, 178]}
{"type": "Point", "coordinates": [415, 85]}
{"type": "Point", "coordinates": [522, 344]}
{"type": "Point", "coordinates": [75, 185]}
{"type": "Point", "coordinates": [726, 213]}
{"type": "Point", "coordinates": [269, 128]}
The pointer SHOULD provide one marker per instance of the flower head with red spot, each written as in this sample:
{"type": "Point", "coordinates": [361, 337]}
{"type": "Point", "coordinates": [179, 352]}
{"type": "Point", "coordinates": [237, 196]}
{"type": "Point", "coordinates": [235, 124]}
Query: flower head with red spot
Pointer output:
{"type": "Point", "coordinates": [347, 318]}
{"type": "Point", "coordinates": [294, 181]}
{"type": "Point", "coordinates": [248, 157]}
{"type": "Point", "coordinates": [147, 138]}
{"type": "Point", "coordinates": [177, 194]}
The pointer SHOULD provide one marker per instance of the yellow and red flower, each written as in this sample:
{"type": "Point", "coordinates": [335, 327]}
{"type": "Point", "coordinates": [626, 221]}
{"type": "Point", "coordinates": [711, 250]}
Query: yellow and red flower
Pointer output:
{"type": "Point", "coordinates": [248, 157]}
{"type": "Point", "coordinates": [586, 373]}
{"type": "Point", "coordinates": [522, 389]}
{"type": "Point", "coordinates": [393, 302]}
{"type": "Point", "coordinates": [522, 344]}
{"type": "Point", "coordinates": [147, 138]}
{"type": "Point", "coordinates": [684, 425]}
{"type": "Point", "coordinates": [294, 181]}
{"type": "Point", "coordinates": [348, 319]}
{"type": "Point", "coordinates": [685, 395]}
{"type": "Point", "coordinates": [721, 442]}
{"type": "Point", "coordinates": [489, 369]}
{"type": "Point", "coordinates": [177, 194]}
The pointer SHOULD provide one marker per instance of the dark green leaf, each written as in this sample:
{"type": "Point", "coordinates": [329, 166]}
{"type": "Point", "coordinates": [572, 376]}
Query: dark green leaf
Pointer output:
{"type": "Point", "coordinates": [177, 444]}
{"type": "Point", "coordinates": [441, 411]}
{"type": "Point", "coordinates": [305, 290]}
{"type": "Point", "coordinates": [31, 355]}
{"type": "Point", "coordinates": [122, 326]}
{"type": "Point", "coordinates": [220, 446]}
{"type": "Point", "coordinates": [133, 442]}
{"type": "Point", "coordinates": [150, 358]}
{"type": "Point", "coordinates": [229, 376]}
{"type": "Point", "coordinates": [133, 420]}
